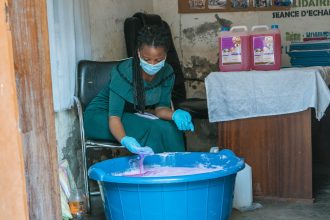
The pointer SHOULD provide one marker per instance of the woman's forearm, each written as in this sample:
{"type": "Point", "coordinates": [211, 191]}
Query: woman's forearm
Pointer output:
{"type": "Point", "coordinates": [164, 113]}
{"type": "Point", "coordinates": [116, 128]}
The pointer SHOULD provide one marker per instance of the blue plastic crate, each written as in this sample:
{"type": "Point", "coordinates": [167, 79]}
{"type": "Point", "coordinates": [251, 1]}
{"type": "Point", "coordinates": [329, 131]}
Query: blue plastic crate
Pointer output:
{"type": "Point", "coordinates": [310, 53]}
{"type": "Point", "coordinates": [310, 45]}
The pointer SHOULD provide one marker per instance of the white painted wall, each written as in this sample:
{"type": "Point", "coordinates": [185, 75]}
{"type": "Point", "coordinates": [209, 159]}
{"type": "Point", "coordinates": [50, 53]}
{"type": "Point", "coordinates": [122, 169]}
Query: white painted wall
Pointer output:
{"type": "Point", "coordinates": [69, 39]}
{"type": "Point", "coordinates": [107, 25]}
{"type": "Point", "coordinates": [201, 43]}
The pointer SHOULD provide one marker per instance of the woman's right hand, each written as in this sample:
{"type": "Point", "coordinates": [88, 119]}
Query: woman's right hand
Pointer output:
{"type": "Point", "coordinates": [133, 146]}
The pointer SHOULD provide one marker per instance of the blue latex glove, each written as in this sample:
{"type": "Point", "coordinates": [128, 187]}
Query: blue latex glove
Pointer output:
{"type": "Point", "coordinates": [133, 146]}
{"type": "Point", "coordinates": [182, 120]}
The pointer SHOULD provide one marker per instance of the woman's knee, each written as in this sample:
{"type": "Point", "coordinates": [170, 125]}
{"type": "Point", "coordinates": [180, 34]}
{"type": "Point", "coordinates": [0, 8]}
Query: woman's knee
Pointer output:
{"type": "Point", "coordinates": [96, 126]}
{"type": "Point", "coordinates": [164, 125]}
{"type": "Point", "coordinates": [164, 129]}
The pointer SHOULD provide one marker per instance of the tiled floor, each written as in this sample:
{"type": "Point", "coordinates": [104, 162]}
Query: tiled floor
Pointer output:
{"type": "Point", "coordinates": [319, 210]}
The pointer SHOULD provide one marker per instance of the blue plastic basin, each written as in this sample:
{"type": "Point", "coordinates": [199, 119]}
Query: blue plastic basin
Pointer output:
{"type": "Point", "coordinates": [206, 196]}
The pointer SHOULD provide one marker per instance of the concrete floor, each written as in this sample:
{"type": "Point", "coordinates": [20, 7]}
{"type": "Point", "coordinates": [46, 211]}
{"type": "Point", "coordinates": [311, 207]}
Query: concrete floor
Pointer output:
{"type": "Point", "coordinates": [319, 210]}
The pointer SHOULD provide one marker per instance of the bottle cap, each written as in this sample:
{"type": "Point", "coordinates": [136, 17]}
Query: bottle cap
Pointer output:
{"type": "Point", "coordinates": [214, 149]}
{"type": "Point", "coordinates": [224, 28]}
{"type": "Point", "coordinates": [274, 26]}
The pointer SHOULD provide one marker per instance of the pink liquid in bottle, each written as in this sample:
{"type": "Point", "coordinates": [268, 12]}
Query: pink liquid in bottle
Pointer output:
{"type": "Point", "coordinates": [265, 48]}
{"type": "Point", "coordinates": [234, 49]}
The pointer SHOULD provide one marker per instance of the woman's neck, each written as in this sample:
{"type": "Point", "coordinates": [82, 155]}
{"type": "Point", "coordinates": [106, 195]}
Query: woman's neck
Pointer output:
{"type": "Point", "coordinates": [147, 77]}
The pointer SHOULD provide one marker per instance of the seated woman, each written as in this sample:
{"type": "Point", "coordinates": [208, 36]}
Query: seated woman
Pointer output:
{"type": "Point", "coordinates": [137, 86]}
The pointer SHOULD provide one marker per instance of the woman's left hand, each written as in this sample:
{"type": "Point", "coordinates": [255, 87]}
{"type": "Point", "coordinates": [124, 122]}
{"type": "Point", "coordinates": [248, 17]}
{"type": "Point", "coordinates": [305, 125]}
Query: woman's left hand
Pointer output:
{"type": "Point", "coordinates": [182, 120]}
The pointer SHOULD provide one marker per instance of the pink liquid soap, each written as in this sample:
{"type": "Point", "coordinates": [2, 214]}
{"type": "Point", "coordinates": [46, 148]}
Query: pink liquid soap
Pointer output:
{"type": "Point", "coordinates": [141, 164]}
{"type": "Point", "coordinates": [164, 171]}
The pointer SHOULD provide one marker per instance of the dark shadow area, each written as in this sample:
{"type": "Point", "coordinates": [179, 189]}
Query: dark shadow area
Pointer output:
{"type": "Point", "coordinates": [97, 211]}
{"type": "Point", "coordinates": [321, 152]}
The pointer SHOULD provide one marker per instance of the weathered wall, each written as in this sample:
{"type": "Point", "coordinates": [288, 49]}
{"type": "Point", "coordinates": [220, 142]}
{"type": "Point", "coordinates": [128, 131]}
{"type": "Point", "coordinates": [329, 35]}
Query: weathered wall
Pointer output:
{"type": "Point", "coordinates": [68, 141]}
{"type": "Point", "coordinates": [195, 35]}
{"type": "Point", "coordinates": [106, 25]}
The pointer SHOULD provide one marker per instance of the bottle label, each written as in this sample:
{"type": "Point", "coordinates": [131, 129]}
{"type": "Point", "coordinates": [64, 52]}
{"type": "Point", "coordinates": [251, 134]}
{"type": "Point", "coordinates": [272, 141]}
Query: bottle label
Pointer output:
{"type": "Point", "coordinates": [77, 207]}
{"type": "Point", "coordinates": [231, 50]}
{"type": "Point", "coordinates": [263, 50]}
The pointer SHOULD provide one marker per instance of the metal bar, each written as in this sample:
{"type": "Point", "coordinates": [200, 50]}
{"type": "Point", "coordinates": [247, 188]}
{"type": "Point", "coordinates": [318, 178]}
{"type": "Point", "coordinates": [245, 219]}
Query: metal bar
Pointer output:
{"type": "Point", "coordinates": [96, 193]}
{"type": "Point", "coordinates": [83, 151]}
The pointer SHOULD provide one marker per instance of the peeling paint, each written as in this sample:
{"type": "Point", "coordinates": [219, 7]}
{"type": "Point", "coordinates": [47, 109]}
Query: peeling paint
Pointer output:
{"type": "Point", "coordinates": [205, 28]}
{"type": "Point", "coordinates": [73, 154]}
{"type": "Point", "coordinates": [189, 33]}
{"type": "Point", "coordinates": [199, 67]}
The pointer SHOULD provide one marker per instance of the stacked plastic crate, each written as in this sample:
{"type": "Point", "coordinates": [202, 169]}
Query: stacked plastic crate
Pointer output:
{"type": "Point", "coordinates": [310, 53]}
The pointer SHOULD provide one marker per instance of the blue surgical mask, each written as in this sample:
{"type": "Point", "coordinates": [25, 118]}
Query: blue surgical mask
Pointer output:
{"type": "Point", "coordinates": [151, 69]}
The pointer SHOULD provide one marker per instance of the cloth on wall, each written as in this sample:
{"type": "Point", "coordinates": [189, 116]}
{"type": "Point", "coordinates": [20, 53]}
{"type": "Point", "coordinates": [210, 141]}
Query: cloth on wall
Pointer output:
{"type": "Point", "coordinates": [69, 38]}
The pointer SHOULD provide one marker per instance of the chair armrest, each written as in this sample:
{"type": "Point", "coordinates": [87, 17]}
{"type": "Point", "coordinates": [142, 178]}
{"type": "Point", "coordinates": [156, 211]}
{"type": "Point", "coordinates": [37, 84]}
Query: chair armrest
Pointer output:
{"type": "Point", "coordinates": [90, 143]}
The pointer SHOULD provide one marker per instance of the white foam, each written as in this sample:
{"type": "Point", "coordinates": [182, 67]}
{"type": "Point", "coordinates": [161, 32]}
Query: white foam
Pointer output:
{"type": "Point", "coordinates": [158, 171]}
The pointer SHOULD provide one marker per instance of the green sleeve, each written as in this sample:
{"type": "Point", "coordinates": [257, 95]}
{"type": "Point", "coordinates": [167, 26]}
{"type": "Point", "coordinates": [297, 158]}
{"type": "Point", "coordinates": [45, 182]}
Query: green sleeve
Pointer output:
{"type": "Point", "coordinates": [116, 104]}
{"type": "Point", "coordinates": [121, 80]}
{"type": "Point", "coordinates": [166, 91]}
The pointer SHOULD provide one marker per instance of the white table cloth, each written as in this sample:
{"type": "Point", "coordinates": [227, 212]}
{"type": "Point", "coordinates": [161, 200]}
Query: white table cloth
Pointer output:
{"type": "Point", "coordinates": [237, 95]}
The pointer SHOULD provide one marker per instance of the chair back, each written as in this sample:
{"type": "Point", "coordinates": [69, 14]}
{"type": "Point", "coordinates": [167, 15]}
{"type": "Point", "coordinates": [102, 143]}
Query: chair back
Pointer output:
{"type": "Point", "coordinates": [133, 25]}
{"type": "Point", "coordinates": [92, 76]}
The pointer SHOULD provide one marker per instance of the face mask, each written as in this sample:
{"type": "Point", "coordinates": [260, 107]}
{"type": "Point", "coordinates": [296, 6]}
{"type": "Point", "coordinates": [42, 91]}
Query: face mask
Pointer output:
{"type": "Point", "coordinates": [151, 69]}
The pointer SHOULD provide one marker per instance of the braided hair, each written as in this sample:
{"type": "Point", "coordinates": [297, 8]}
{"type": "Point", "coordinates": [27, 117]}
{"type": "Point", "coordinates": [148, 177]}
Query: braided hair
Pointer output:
{"type": "Point", "coordinates": [155, 36]}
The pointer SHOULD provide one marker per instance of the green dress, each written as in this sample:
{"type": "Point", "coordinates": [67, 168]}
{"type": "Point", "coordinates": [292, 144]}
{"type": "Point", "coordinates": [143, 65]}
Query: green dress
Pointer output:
{"type": "Point", "coordinates": [116, 99]}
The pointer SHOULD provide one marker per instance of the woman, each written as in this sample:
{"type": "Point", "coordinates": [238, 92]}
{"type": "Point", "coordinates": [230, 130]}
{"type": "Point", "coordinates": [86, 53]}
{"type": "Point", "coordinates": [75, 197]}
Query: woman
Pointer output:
{"type": "Point", "coordinates": [137, 86]}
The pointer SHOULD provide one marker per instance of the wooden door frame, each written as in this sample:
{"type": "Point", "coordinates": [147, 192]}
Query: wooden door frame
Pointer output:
{"type": "Point", "coordinates": [36, 118]}
{"type": "Point", "coordinates": [13, 198]}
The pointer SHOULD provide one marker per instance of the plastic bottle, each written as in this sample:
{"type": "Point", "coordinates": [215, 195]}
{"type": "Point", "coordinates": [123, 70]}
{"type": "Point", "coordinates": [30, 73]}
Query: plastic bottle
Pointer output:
{"type": "Point", "coordinates": [265, 48]}
{"type": "Point", "coordinates": [243, 196]}
{"type": "Point", "coordinates": [77, 204]}
{"type": "Point", "coordinates": [214, 149]}
{"type": "Point", "coordinates": [278, 44]}
{"type": "Point", "coordinates": [234, 49]}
